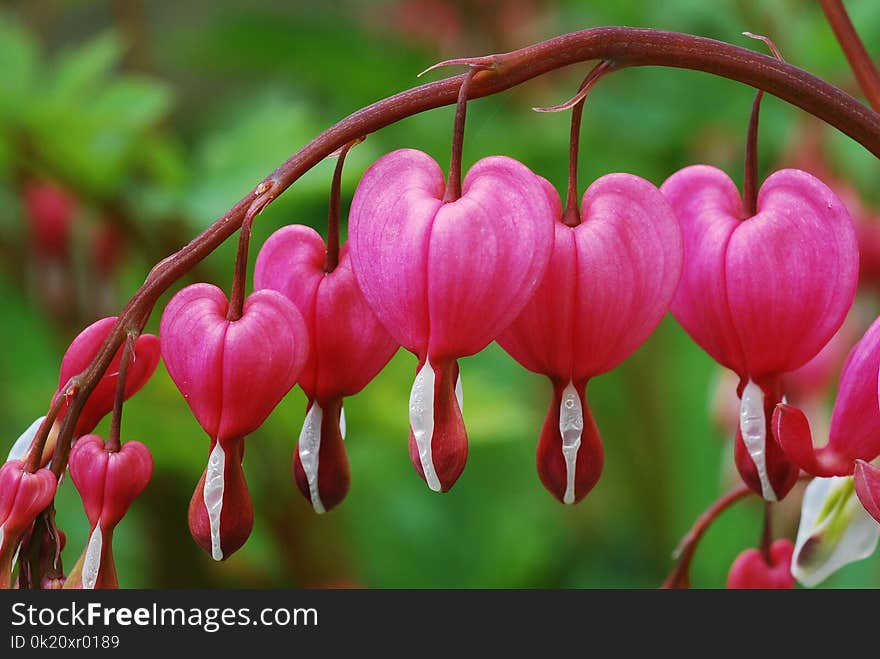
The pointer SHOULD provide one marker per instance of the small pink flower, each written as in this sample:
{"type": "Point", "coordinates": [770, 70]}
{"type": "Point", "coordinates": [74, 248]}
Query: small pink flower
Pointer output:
{"type": "Point", "coordinates": [232, 374]}
{"type": "Point", "coordinates": [446, 278]}
{"type": "Point", "coordinates": [108, 482]}
{"type": "Point", "coordinates": [23, 496]}
{"type": "Point", "coordinates": [752, 571]}
{"type": "Point", "coordinates": [762, 294]}
{"type": "Point", "coordinates": [609, 283]}
{"type": "Point", "coordinates": [349, 346]}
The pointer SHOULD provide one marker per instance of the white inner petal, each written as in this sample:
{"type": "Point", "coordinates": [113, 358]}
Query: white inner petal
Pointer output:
{"type": "Point", "coordinates": [342, 421]}
{"type": "Point", "coordinates": [846, 535]}
{"type": "Point", "coordinates": [22, 444]}
{"type": "Point", "coordinates": [215, 484]}
{"type": "Point", "coordinates": [571, 427]}
{"type": "Point", "coordinates": [309, 453]}
{"type": "Point", "coordinates": [753, 427]}
{"type": "Point", "coordinates": [92, 563]}
{"type": "Point", "coordinates": [421, 420]}
{"type": "Point", "coordinates": [459, 393]}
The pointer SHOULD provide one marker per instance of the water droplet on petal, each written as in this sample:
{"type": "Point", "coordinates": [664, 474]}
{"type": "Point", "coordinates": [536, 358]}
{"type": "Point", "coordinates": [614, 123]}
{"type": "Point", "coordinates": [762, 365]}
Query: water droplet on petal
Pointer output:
{"type": "Point", "coordinates": [309, 453]}
{"type": "Point", "coordinates": [92, 562]}
{"type": "Point", "coordinates": [753, 427]}
{"type": "Point", "coordinates": [421, 420]}
{"type": "Point", "coordinates": [571, 427]}
{"type": "Point", "coordinates": [215, 484]}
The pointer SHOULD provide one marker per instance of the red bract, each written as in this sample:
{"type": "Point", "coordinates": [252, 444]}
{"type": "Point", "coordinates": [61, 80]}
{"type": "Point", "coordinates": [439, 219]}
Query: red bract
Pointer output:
{"type": "Point", "coordinates": [108, 482]}
{"type": "Point", "coordinates": [751, 569]}
{"type": "Point", "coordinates": [80, 354]}
{"type": "Point", "coordinates": [23, 496]}
{"type": "Point", "coordinates": [609, 283]}
{"type": "Point", "coordinates": [446, 278]}
{"type": "Point", "coordinates": [762, 294]}
{"type": "Point", "coordinates": [232, 374]}
{"type": "Point", "coordinates": [349, 346]}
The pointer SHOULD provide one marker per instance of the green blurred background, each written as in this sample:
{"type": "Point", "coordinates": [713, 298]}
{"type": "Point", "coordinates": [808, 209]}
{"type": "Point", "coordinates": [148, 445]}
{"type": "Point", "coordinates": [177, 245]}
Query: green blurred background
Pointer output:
{"type": "Point", "coordinates": [157, 117]}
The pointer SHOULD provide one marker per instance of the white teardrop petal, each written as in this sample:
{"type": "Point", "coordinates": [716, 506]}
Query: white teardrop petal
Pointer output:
{"type": "Point", "coordinates": [571, 428]}
{"type": "Point", "coordinates": [459, 393]}
{"type": "Point", "coordinates": [22, 444]}
{"type": "Point", "coordinates": [753, 427]}
{"type": "Point", "coordinates": [309, 453]}
{"type": "Point", "coordinates": [92, 563]}
{"type": "Point", "coordinates": [836, 526]}
{"type": "Point", "coordinates": [421, 420]}
{"type": "Point", "coordinates": [215, 484]}
{"type": "Point", "coordinates": [342, 422]}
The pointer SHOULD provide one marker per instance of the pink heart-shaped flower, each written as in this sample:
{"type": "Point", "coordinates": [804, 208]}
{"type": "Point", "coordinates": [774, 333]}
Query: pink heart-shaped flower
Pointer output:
{"type": "Point", "coordinates": [109, 481]}
{"type": "Point", "coordinates": [446, 278]}
{"type": "Point", "coordinates": [750, 570]}
{"type": "Point", "coordinates": [232, 373]}
{"type": "Point", "coordinates": [762, 294]}
{"type": "Point", "coordinates": [83, 350]}
{"type": "Point", "coordinates": [609, 283]}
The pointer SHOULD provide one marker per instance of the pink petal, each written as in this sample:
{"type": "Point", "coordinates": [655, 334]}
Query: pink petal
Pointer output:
{"type": "Point", "coordinates": [867, 483]}
{"type": "Point", "coordinates": [708, 207]}
{"type": "Point", "coordinates": [792, 271]}
{"type": "Point", "coordinates": [389, 228]}
{"type": "Point", "coordinates": [128, 473]}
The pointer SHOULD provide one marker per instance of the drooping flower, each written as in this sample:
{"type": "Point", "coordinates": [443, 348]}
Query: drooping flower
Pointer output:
{"type": "Point", "coordinates": [108, 481]}
{"type": "Point", "coordinates": [232, 374]}
{"type": "Point", "coordinates": [23, 496]}
{"type": "Point", "coordinates": [609, 283]}
{"type": "Point", "coordinates": [751, 570]}
{"type": "Point", "coordinates": [349, 346]}
{"type": "Point", "coordinates": [446, 278]}
{"type": "Point", "coordinates": [762, 294]}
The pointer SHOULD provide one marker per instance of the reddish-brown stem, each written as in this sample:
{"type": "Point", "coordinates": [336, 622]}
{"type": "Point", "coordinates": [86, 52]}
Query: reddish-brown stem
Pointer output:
{"type": "Point", "coordinates": [332, 258]}
{"type": "Point", "coordinates": [453, 184]}
{"type": "Point", "coordinates": [859, 60]}
{"type": "Point", "coordinates": [623, 46]}
{"type": "Point", "coordinates": [767, 533]}
{"type": "Point", "coordinates": [571, 216]}
{"type": "Point", "coordinates": [750, 180]}
{"type": "Point", "coordinates": [34, 456]}
{"type": "Point", "coordinates": [113, 442]}
{"type": "Point", "coordinates": [680, 575]}
{"type": "Point", "coordinates": [239, 282]}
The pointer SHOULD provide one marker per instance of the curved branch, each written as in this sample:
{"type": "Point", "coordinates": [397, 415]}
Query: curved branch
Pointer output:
{"type": "Point", "coordinates": [623, 47]}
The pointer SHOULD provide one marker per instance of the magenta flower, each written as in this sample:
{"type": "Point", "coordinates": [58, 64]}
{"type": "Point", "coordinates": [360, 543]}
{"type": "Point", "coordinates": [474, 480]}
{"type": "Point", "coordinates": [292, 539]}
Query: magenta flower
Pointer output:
{"type": "Point", "coordinates": [751, 570]}
{"type": "Point", "coordinates": [232, 374]}
{"type": "Point", "coordinates": [762, 294]}
{"type": "Point", "coordinates": [855, 422]}
{"type": "Point", "coordinates": [446, 278]}
{"type": "Point", "coordinates": [867, 486]}
{"type": "Point", "coordinates": [23, 496]}
{"type": "Point", "coordinates": [108, 482]}
{"type": "Point", "coordinates": [609, 283]}
{"type": "Point", "coordinates": [349, 346]}
{"type": "Point", "coordinates": [80, 354]}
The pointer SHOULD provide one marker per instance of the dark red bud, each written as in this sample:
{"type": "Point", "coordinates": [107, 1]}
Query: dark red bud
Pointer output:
{"type": "Point", "coordinates": [751, 570]}
{"type": "Point", "coordinates": [324, 483]}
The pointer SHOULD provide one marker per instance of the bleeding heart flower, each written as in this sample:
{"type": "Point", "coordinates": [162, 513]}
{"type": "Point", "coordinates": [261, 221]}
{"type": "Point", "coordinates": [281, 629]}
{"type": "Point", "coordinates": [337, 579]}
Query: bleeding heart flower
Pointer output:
{"type": "Point", "coordinates": [349, 346]}
{"type": "Point", "coordinates": [80, 354]}
{"type": "Point", "coordinates": [752, 571]}
{"type": "Point", "coordinates": [108, 482]}
{"type": "Point", "coordinates": [232, 374]}
{"type": "Point", "coordinates": [49, 210]}
{"type": "Point", "coordinates": [23, 496]}
{"type": "Point", "coordinates": [855, 421]}
{"type": "Point", "coordinates": [762, 294]}
{"type": "Point", "coordinates": [609, 283]}
{"type": "Point", "coordinates": [446, 278]}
